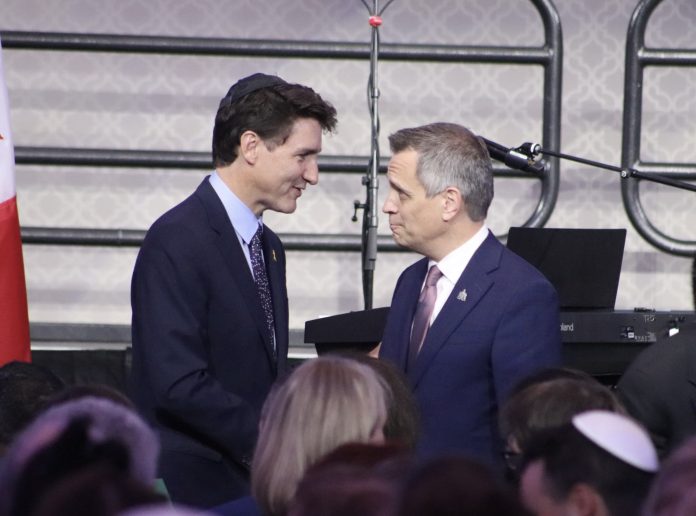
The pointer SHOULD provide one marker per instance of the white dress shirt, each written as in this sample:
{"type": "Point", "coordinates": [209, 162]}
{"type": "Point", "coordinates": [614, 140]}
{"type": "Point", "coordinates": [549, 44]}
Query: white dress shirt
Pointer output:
{"type": "Point", "coordinates": [452, 267]}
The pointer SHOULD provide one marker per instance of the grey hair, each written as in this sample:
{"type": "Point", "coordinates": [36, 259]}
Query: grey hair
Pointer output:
{"type": "Point", "coordinates": [450, 155]}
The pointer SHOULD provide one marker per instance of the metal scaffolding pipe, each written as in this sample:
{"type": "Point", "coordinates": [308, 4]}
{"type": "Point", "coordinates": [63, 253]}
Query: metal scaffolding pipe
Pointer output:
{"type": "Point", "coordinates": [63, 156]}
{"type": "Point", "coordinates": [637, 58]}
{"type": "Point", "coordinates": [134, 238]}
{"type": "Point", "coordinates": [268, 48]}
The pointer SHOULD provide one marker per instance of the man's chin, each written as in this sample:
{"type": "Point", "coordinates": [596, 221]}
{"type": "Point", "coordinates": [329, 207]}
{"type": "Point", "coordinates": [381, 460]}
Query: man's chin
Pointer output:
{"type": "Point", "coordinates": [286, 207]}
{"type": "Point", "coordinates": [405, 243]}
{"type": "Point", "coordinates": [398, 240]}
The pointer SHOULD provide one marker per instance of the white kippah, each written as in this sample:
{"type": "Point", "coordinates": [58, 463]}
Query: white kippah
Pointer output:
{"type": "Point", "coordinates": [620, 436]}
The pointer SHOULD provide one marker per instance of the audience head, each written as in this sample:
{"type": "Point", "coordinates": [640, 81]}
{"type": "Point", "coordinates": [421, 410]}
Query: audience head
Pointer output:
{"type": "Point", "coordinates": [550, 373]}
{"type": "Point", "coordinates": [450, 486]}
{"type": "Point", "coordinates": [403, 423]}
{"type": "Point", "coordinates": [164, 509]}
{"type": "Point", "coordinates": [94, 390]}
{"type": "Point", "coordinates": [325, 402]}
{"type": "Point", "coordinates": [546, 400]}
{"type": "Point", "coordinates": [96, 490]}
{"type": "Point", "coordinates": [68, 437]}
{"type": "Point", "coordinates": [601, 463]}
{"type": "Point", "coordinates": [672, 492]}
{"type": "Point", "coordinates": [356, 478]}
{"type": "Point", "coordinates": [24, 390]}
{"type": "Point", "coordinates": [268, 106]}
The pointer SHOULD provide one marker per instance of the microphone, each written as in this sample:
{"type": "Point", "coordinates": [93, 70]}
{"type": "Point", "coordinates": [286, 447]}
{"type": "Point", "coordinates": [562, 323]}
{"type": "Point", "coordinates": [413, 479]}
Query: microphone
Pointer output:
{"type": "Point", "coordinates": [519, 158]}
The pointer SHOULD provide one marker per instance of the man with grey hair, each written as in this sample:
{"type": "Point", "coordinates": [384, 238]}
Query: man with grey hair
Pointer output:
{"type": "Point", "coordinates": [471, 318]}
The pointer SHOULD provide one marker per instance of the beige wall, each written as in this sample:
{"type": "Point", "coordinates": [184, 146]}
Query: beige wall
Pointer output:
{"type": "Point", "coordinates": [129, 101]}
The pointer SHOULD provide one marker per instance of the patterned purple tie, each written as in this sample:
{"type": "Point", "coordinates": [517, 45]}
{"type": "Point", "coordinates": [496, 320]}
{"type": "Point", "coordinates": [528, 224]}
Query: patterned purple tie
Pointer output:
{"type": "Point", "coordinates": [261, 280]}
{"type": "Point", "coordinates": [424, 310]}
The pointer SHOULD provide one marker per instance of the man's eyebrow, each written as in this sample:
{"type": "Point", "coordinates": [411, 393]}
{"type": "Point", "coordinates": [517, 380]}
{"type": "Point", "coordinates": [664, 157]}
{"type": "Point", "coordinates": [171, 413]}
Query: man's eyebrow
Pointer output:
{"type": "Point", "coordinates": [395, 184]}
{"type": "Point", "coordinates": [304, 151]}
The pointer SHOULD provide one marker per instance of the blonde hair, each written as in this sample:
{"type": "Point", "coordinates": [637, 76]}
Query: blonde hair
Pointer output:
{"type": "Point", "coordinates": [325, 402]}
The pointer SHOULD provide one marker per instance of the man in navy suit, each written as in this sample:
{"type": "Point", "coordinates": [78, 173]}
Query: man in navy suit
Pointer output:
{"type": "Point", "coordinates": [491, 318]}
{"type": "Point", "coordinates": [210, 314]}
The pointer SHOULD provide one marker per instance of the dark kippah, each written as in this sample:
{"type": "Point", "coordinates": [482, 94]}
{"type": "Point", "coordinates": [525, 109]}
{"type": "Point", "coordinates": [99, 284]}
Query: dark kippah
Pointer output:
{"type": "Point", "coordinates": [249, 84]}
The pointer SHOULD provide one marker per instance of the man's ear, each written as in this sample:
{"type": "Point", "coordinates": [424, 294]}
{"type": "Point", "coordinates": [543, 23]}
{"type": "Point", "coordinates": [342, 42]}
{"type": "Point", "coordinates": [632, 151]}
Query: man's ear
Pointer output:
{"type": "Point", "coordinates": [452, 203]}
{"type": "Point", "coordinates": [249, 146]}
{"type": "Point", "coordinates": [586, 501]}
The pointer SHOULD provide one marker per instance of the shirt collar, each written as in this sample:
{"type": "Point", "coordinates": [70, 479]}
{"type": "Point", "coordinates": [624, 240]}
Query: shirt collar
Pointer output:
{"type": "Point", "coordinates": [456, 261]}
{"type": "Point", "coordinates": [243, 219]}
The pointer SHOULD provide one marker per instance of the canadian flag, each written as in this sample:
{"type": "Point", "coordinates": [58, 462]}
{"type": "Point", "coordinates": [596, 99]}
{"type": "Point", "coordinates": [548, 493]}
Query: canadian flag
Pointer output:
{"type": "Point", "coordinates": [14, 319]}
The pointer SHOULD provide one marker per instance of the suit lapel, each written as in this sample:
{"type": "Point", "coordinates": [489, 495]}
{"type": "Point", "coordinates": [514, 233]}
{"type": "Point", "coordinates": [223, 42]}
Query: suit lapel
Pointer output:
{"type": "Point", "coordinates": [471, 287]}
{"type": "Point", "coordinates": [231, 250]}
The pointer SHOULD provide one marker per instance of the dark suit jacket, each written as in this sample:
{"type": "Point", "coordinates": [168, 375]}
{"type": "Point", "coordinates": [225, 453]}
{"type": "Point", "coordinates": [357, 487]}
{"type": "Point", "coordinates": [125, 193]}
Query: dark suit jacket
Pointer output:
{"type": "Point", "coordinates": [659, 389]}
{"type": "Point", "coordinates": [506, 327]}
{"type": "Point", "coordinates": [202, 363]}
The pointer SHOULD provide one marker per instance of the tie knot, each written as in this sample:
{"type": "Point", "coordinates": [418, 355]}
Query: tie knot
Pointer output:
{"type": "Point", "coordinates": [434, 274]}
{"type": "Point", "coordinates": [257, 235]}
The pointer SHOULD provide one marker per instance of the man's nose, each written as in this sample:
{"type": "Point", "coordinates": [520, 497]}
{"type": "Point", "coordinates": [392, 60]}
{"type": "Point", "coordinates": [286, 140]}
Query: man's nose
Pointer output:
{"type": "Point", "coordinates": [388, 206]}
{"type": "Point", "coordinates": [311, 173]}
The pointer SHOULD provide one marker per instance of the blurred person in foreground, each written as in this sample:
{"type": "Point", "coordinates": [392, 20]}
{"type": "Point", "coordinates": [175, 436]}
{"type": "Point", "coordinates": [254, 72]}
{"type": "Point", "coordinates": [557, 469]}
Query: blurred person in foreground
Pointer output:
{"type": "Point", "coordinates": [599, 464]}
{"type": "Point", "coordinates": [548, 399]}
{"type": "Point", "coordinates": [69, 438]}
{"type": "Point", "coordinates": [324, 403]}
{"type": "Point", "coordinates": [403, 421]}
{"type": "Point", "coordinates": [672, 492]}
{"type": "Point", "coordinates": [453, 485]}
{"type": "Point", "coordinates": [355, 478]}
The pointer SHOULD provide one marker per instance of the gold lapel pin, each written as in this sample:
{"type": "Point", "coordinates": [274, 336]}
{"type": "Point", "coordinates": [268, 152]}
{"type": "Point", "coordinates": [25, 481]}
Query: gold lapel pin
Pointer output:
{"type": "Point", "coordinates": [273, 255]}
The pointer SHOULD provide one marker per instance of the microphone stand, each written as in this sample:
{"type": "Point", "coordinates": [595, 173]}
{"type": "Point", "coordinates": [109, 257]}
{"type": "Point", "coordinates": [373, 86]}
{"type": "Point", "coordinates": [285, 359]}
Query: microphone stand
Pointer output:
{"type": "Point", "coordinates": [624, 172]}
{"type": "Point", "coordinates": [370, 179]}
{"type": "Point", "coordinates": [525, 157]}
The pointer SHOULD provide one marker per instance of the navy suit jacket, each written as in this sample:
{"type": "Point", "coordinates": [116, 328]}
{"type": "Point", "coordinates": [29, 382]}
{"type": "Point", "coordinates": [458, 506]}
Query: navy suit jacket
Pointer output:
{"type": "Point", "coordinates": [202, 360]}
{"type": "Point", "coordinates": [500, 324]}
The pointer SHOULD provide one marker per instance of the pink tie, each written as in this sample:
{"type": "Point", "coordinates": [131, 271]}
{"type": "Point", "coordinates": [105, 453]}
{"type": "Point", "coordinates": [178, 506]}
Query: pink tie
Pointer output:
{"type": "Point", "coordinates": [421, 320]}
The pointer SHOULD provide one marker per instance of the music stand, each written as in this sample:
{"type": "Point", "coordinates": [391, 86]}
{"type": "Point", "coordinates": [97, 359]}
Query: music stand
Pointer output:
{"type": "Point", "coordinates": [583, 265]}
{"type": "Point", "coordinates": [359, 331]}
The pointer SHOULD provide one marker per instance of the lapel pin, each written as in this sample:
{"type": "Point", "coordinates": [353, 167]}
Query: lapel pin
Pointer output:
{"type": "Point", "coordinates": [462, 295]}
{"type": "Point", "coordinates": [273, 255]}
